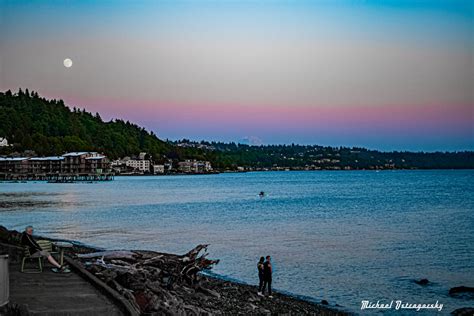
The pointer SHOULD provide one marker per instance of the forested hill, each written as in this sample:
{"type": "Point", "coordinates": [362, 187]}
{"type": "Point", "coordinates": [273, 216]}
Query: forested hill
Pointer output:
{"type": "Point", "coordinates": [327, 157]}
{"type": "Point", "coordinates": [49, 127]}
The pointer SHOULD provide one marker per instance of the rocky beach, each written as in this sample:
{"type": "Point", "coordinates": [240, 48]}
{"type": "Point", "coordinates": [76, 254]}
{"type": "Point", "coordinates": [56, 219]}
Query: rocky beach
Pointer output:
{"type": "Point", "coordinates": [154, 283]}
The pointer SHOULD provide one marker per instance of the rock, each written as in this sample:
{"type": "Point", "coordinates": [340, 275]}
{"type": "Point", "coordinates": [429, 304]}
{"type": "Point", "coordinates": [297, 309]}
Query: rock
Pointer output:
{"type": "Point", "coordinates": [252, 306]}
{"type": "Point", "coordinates": [422, 282]}
{"type": "Point", "coordinates": [461, 289]}
{"type": "Point", "coordinates": [253, 298]}
{"type": "Point", "coordinates": [9, 236]}
{"type": "Point", "coordinates": [324, 302]}
{"type": "Point", "coordinates": [209, 292]}
{"type": "Point", "coordinates": [465, 311]}
{"type": "Point", "coordinates": [143, 300]}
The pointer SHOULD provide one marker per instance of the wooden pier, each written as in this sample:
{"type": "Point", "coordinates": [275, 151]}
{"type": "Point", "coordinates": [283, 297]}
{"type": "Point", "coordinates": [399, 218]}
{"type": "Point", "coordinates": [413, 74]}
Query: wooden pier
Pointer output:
{"type": "Point", "coordinates": [70, 167]}
{"type": "Point", "coordinates": [58, 178]}
{"type": "Point", "coordinates": [78, 293]}
{"type": "Point", "coordinates": [49, 293]}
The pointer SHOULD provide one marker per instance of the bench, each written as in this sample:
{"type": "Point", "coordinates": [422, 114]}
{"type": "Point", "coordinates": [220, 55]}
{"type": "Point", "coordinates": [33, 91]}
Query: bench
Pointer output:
{"type": "Point", "coordinates": [45, 245]}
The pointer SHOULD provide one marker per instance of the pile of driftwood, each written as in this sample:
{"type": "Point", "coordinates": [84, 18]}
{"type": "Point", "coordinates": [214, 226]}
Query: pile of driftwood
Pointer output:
{"type": "Point", "coordinates": [155, 283]}
{"type": "Point", "coordinates": [167, 284]}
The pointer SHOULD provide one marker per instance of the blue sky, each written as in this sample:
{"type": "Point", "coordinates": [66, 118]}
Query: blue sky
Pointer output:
{"type": "Point", "coordinates": [380, 74]}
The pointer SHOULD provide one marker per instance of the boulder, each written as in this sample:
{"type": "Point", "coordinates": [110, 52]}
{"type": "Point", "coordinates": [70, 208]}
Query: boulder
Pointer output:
{"type": "Point", "coordinates": [465, 311]}
{"type": "Point", "coordinates": [461, 289]}
{"type": "Point", "coordinates": [422, 282]}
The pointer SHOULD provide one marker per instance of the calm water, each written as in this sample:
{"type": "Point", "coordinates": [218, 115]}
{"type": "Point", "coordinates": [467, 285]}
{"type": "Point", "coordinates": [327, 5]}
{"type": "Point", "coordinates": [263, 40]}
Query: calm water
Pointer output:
{"type": "Point", "coordinates": [340, 236]}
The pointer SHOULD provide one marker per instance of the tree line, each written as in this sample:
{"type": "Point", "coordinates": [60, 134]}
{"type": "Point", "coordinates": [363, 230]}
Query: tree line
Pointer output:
{"type": "Point", "coordinates": [49, 127]}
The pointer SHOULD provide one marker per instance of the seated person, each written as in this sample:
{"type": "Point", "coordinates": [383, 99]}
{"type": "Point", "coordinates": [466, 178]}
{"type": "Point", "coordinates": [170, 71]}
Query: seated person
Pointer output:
{"type": "Point", "coordinates": [36, 251]}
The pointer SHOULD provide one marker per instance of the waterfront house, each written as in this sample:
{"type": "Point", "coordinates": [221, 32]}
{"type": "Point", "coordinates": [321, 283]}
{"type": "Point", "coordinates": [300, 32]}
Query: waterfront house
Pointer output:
{"type": "Point", "coordinates": [117, 163]}
{"type": "Point", "coordinates": [86, 165]}
{"type": "Point", "coordinates": [141, 165]}
{"type": "Point", "coordinates": [97, 164]}
{"type": "Point", "coordinates": [77, 162]}
{"type": "Point", "coordinates": [158, 169]}
{"type": "Point", "coordinates": [15, 165]}
{"type": "Point", "coordinates": [203, 166]}
{"type": "Point", "coordinates": [3, 142]}
{"type": "Point", "coordinates": [193, 166]}
{"type": "Point", "coordinates": [168, 166]}
{"type": "Point", "coordinates": [45, 165]}
{"type": "Point", "coordinates": [185, 166]}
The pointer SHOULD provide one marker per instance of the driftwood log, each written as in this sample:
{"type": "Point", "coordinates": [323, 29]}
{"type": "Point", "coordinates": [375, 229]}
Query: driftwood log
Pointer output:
{"type": "Point", "coordinates": [153, 282]}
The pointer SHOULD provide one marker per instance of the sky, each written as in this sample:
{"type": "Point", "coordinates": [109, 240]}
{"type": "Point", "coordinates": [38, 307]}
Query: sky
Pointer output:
{"type": "Point", "coordinates": [386, 74]}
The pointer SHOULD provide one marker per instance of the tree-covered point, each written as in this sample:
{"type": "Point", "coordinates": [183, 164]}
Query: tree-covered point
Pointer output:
{"type": "Point", "coordinates": [49, 127]}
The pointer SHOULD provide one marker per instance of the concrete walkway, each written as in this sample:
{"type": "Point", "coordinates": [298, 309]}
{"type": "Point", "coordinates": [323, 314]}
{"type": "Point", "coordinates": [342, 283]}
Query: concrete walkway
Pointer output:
{"type": "Point", "coordinates": [49, 293]}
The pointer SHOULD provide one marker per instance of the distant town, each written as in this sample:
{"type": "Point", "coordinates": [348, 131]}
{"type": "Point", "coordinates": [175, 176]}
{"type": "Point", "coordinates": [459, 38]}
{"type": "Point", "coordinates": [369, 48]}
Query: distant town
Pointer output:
{"type": "Point", "coordinates": [144, 164]}
{"type": "Point", "coordinates": [96, 166]}
{"type": "Point", "coordinates": [46, 139]}
{"type": "Point", "coordinates": [91, 166]}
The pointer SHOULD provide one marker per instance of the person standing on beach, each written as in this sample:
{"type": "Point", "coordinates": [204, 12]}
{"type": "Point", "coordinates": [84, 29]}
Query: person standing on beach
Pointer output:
{"type": "Point", "coordinates": [260, 268]}
{"type": "Point", "coordinates": [36, 251]}
{"type": "Point", "coordinates": [267, 276]}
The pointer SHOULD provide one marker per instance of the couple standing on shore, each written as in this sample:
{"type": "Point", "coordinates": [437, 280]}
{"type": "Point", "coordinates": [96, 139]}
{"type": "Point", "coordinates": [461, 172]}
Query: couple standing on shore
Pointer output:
{"type": "Point", "coordinates": [264, 268]}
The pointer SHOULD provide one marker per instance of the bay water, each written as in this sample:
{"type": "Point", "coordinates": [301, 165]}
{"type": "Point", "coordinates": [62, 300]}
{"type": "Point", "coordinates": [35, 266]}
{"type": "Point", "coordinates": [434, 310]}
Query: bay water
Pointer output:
{"type": "Point", "coordinates": [342, 236]}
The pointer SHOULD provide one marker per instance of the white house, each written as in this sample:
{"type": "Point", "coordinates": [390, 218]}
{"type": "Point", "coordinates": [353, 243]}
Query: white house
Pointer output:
{"type": "Point", "coordinates": [158, 169]}
{"type": "Point", "coordinates": [3, 142]}
{"type": "Point", "coordinates": [193, 166]}
{"type": "Point", "coordinates": [169, 165]}
{"type": "Point", "coordinates": [142, 165]}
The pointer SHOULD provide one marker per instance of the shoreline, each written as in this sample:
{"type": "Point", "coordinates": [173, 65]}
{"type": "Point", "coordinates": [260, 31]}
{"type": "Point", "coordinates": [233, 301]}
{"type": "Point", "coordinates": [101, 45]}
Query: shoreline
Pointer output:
{"type": "Point", "coordinates": [217, 277]}
{"type": "Point", "coordinates": [19, 181]}
{"type": "Point", "coordinates": [133, 274]}
{"type": "Point", "coordinates": [208, 274]}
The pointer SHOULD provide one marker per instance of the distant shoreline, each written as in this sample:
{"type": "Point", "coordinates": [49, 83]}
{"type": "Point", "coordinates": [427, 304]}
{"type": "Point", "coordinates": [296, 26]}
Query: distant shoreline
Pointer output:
{"type": "Point", "coordinates": [249, 171]}
{"type": "Point", "coordinates": [291, 170]}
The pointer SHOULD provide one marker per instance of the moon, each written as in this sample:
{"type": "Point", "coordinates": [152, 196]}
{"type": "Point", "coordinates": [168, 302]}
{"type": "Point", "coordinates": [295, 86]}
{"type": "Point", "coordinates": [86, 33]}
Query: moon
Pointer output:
{"type": "Point", "coordinates": [67, 63]}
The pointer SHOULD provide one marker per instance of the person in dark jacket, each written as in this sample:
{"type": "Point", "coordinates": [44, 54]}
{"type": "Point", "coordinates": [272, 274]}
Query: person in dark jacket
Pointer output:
{"type": "Point", "coordinates": [260, 275]}
{"type": "Point", "coordinates": [36, 251]}
{"type": "Point", "coordinates": [267, 276]}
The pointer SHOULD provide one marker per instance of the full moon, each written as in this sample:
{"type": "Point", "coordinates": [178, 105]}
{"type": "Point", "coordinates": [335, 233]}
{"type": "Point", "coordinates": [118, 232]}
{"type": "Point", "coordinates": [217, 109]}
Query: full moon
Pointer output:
{"type": "Point", "coordinates": [67, 62]}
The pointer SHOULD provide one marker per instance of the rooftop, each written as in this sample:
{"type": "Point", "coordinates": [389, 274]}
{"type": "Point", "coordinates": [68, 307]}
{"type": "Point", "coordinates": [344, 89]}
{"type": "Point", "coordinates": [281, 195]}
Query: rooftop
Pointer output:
{"type": "Point", "coordinates": [78, 153]}
{"type": "Point", "coordinates": [47, 158]}
{"type": "Point", "coordinates": [56, 158]}
{"type": "Point", "coordinates": [95, 157]}
{"type": "Point", "coordinates": [13, 158]}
